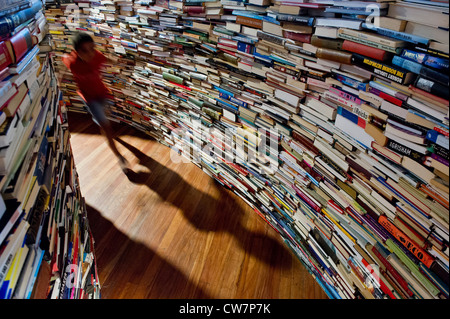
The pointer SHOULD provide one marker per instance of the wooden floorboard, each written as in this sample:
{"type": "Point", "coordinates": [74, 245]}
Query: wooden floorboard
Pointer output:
{"type": "Point", "coordinates": [167, 230]}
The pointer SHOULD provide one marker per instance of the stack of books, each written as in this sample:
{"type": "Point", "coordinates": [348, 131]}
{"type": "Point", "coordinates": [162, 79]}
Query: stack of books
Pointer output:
{"type": "Point", "coordinates": [46, 248]}
{"type": "Point", "coordinates": [329, 118]}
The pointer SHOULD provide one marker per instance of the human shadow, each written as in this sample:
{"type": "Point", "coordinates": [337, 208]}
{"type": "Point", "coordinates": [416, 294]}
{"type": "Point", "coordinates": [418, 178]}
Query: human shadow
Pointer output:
{"type": "Point", "coordinates": [133, 270]}
{"type": "Point", "coordinates": [205, 212]}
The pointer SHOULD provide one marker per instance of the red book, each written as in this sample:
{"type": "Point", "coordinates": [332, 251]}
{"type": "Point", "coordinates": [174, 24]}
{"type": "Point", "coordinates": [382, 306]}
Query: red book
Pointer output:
{"type": "Point", "coordinates": [393, 272]}
{"type": "Point", "coordinates": [365, 50]}
{"type": "Point", "coordinates": [22, 42]}
{"type": "Point", "coordinates": [6, 55]}
{"type": "Point", "coordinates": [391, 99]}
{"type": "Point", "coordinates": [194, 9]}
{"type": "Point", "coordinates": [300, 37]}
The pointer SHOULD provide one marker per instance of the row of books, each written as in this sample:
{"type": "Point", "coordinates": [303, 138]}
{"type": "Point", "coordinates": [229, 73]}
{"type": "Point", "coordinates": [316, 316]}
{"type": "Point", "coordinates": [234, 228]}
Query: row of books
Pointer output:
{"type": "Point", "coordinates": [46, 247]}
{"type": "Point", "coordinates": [329, 118]}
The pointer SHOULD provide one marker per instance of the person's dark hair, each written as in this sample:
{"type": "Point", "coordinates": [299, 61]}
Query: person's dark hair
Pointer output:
{"type": "Point", "coordinates": [79, 39]}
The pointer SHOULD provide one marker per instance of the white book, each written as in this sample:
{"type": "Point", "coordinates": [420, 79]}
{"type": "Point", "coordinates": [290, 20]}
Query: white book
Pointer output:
{"type": "Point", "coordinates": [394, 109]}
{"type": "Point", "coordinates": [426, 109]}
{"type": "Point", "coordinates": [338, 23]}
{"type": "Point", "coordinates": [322, 108]}
{"type": "Point", "coordinates": [353, 130]}
{"type": "Point", "coordinates": [326, 32]}
{"type": "Point", "coordinates": [288, 97]}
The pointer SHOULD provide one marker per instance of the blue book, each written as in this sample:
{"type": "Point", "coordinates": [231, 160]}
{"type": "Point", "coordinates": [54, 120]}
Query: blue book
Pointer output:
{"type": "Point", "coordinates": [397, 34]}
{"type": "Point", "coordinates": [223, 91]}
{"type": "Point", "coordinates": [347, 114]}
{"type": "Point", "coordinates": [245, 47]}
{"type": "Point", "coordinates": [437, 138]}
{"type": "Point", "coordinates": [238, 102]}
{"type": "Point", "coordinates": [420, 69]}
{"type": "Point", "coordinates": [351, 82]}
{"type": "Point", "coordinates": [254, 16]}
{"type": "Point", "coordinates": [278, 59]}
{"type": "Point", "coordinates": [426, 59]}
{"type": "Point", "coordinates": [407, 64]}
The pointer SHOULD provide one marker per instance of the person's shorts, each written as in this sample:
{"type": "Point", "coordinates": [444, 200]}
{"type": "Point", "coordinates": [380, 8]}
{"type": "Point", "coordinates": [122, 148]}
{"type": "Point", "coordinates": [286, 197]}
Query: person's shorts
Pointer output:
{"type": "Point", "coordinates": [97, 110]}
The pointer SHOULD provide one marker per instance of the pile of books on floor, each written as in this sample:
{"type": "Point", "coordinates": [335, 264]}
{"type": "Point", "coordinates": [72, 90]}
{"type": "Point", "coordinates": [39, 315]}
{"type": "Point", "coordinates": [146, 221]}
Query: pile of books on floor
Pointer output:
{"type": "Point", "coordinates": [46, 248]}
{"type": "Point", "coordinates": [329, 118]}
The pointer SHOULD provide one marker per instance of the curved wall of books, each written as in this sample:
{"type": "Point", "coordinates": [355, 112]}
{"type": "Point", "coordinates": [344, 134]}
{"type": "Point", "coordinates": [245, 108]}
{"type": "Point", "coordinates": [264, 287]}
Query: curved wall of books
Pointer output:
{"type": "Point", "coordinates": [46, 247]}
{"type": "Point", "coordinates": [329, 118]}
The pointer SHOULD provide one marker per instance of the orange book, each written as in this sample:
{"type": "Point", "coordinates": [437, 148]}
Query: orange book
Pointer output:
{"type": "Point", "coordinates": [412, 246]}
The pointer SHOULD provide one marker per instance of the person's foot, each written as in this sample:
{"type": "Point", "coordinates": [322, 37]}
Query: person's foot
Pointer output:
{"type": "Point", "coordinates": [124, 165]}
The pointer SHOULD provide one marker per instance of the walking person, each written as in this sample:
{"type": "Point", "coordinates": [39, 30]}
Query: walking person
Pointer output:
{"type": "Point", "coordinates": [85, 63]}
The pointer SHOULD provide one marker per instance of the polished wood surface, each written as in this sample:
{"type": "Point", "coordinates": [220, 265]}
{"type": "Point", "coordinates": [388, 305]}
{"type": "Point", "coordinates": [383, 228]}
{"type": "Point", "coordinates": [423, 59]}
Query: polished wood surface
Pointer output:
{"type": "Point", "coordinates": [168, 230]}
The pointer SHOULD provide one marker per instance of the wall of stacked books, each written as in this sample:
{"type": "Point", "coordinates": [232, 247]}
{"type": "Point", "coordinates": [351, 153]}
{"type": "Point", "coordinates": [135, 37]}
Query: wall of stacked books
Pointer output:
{"type": "Point", "coordinates": [329, 118]}
{"type": "Point", "coordinates": [46, 247]}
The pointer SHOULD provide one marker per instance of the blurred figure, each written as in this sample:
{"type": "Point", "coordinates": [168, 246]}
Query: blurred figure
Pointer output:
{"type": "Point", "coordinates": [85, 63]}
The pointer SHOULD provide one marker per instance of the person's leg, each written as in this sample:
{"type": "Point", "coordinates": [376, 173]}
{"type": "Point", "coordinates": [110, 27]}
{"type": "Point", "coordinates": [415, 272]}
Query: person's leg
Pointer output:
{"type": "Point", "coordinates": [98, 114]}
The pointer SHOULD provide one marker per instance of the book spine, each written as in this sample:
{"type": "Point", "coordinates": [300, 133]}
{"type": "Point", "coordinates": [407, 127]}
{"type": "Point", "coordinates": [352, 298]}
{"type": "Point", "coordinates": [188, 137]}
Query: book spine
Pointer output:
{"type": "Point", "coordinates": [393, 73]}
{"type": "Point", "coordinates": [194, 9]}
{"type": "Point", "coordinates": [420, 69]}
{"type": "Point", "coordinates": [270, 37]}
{"type": "Point", "coordinates": [362, 49]}
{"type": "Point", "coordinates": [439, 150]}
{"type": "Point", "coordinates": [7, 24]}
{"type": "Point", "coordinates": [426, 59]}
{"type": "Point", "coordinates": [352, 117]}
{"type": "Point", "coordinates": [393, 272]}
{"type": "Point", "coordinates": [437, 138]}
{"type": "Point", "coordinates": [369, 43]}
{"type": "Point", "coordinates": [306, 199]}
{"type": "Point", "coordinates": [334, 55]}
{"type": "Point", "coordinates": [249, 22]}
{"type": "Point", "coordinates": [418, 252]}
{"type": "Point", "coordinates": [305, 38]}
{"type": "Point", "coordinates": [432, 87]}
{"type": "Point", "coordinates": [5, 57]}
{"type": "Point", "coordinates": [403, 150]}
{"type": "Point", "coordinates": [397, 34]}
{"type": "Point", "coordinates": [350, 82]}
{"type": "Point", "coordinates": [439, 159]}
{"type": "Point", "coordinates": [308, 21]}
{"type": "Point", "coordinates": [334, 44]}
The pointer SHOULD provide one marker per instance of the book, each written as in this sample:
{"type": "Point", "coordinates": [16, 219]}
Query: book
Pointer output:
{"type": "Point", "coordinates": [8, 23]}
{"type": "Point", "coordinates": [338, 23]}
{"type": "Point", "coordinates": [390, 72]}
{"type": "Point", "coordinates": [11, 106]}
{"type": "Point", "coordinates": [420, 69]}
{"type": "Point", "coordinates": [427, 32]}
{"type": "Point", "coordinates": [365, 50]}
{"type": "Point", "coordinates": [423, 14]}
{"type": "Point", "coordinates": [7, 130]}
{"type": "Point", "coordinates": [440, 139]}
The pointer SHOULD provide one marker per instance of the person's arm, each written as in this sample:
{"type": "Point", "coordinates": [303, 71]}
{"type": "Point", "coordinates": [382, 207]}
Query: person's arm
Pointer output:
{"type": "Point", "coordinates": [107, 59]}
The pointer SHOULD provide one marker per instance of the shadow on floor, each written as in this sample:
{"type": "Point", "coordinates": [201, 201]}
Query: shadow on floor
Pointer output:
{"type": "Point", "coordinates": [205, 212]}
{"type": "Point", "coordinates": [130, 261]}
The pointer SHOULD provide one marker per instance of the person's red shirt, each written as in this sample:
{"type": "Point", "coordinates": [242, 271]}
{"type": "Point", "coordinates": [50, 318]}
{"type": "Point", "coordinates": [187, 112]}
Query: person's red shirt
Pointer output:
{"type": "Point", "coordinates": [87, 75]}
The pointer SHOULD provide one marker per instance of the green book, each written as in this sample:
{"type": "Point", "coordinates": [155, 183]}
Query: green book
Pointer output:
{"type": "Point", "coordinates": [173, 78]}
{"type": "Point", "coordinates": [412, 267]}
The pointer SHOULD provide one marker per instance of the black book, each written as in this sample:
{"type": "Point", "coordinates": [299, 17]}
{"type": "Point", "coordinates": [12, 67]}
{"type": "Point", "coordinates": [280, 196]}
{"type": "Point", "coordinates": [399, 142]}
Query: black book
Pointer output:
{"type": "Point", "coordinates": [404, 150]}
{"type": "Point", "coordinates": [324, 245]}
{"type": "Point", "coordinates": [390, 72]}
{"type": "Point", "coordinates": [433, 87]}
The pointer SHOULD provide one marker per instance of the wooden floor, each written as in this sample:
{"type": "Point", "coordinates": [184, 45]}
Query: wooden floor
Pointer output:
{"type": "Point", "coordinates": [168, 230]}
